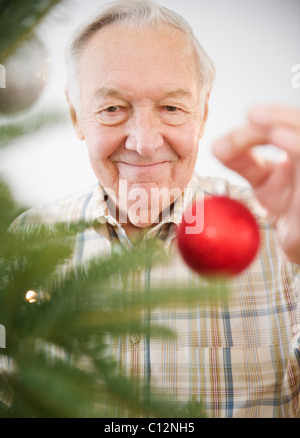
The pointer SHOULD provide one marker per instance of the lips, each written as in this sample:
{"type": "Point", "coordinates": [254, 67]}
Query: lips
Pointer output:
{"type": "Point", "coordinates": [143, 165]}
{"type": "Point", "coordinates": [149, 172]}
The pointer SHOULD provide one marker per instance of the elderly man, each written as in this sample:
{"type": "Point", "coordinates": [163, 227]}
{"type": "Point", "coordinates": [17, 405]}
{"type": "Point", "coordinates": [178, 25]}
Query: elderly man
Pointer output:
{"type": "Point", "coordinates": [138, 90]}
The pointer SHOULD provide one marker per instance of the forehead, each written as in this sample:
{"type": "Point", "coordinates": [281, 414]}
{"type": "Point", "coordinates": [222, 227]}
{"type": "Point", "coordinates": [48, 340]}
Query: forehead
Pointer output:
{"type": "Point", "coordinates": [158, 37]}
{"type": "Point", "coordinates": [145, 53]}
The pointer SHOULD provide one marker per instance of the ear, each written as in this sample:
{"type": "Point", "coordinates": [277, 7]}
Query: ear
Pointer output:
{"type": "Point", "coordinates": [74, 117]}
{"type": "Point", "coordinates": [205, 115]}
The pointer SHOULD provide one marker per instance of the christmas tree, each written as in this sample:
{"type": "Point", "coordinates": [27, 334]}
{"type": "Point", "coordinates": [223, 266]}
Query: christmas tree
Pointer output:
{"type": "Point", "coordinates": [53, 323]}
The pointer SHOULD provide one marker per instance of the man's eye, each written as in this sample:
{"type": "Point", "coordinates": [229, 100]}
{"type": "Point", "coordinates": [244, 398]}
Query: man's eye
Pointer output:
{"type": "Point", "coordinates": [113, 115]}
{"type": "Point", "coordinates": [170, 108]}
{"type": "Point", "coordinates": [112, 109]}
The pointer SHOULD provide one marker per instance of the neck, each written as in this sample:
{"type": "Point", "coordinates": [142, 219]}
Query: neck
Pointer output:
{"type": "Point", "coordinates": [135, 234]}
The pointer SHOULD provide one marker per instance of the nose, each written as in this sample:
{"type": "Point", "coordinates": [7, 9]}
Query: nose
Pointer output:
{"type": "Point", "coordinates": [144, 135]}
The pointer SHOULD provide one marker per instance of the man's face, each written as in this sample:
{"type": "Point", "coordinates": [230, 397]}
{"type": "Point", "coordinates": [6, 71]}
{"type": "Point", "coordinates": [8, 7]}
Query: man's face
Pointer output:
{"type": "Point", "coordinates": [140, 114]}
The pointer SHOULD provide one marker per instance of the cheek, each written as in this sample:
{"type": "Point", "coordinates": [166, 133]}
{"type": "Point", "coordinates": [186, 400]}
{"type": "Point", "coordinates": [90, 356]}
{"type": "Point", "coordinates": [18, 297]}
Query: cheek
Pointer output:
{"type": "Point", "coordinates": [185, 142]}
{"type": "Point", "coordinates": [102, 142]}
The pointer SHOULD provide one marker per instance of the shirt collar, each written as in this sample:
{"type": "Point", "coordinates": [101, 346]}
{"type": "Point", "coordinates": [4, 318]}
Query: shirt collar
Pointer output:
{"type": "Point", "coordinates": [170, 221]}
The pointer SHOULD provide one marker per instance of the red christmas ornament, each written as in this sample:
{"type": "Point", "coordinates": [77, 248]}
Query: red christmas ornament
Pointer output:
{"type": "Point", "coordinates": [218, 236]}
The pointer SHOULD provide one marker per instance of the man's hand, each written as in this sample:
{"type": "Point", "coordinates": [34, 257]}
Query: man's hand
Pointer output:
{"type": "Point", "coordinates": [275, 184]}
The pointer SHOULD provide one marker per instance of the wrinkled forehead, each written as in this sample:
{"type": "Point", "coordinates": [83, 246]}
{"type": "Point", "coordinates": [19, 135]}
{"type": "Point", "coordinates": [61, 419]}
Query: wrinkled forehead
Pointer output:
{"type": "Point", "coordinates": [139, 59]}
{"type": "Point", "coordinates": [164, 31]}
{"type": "Point", "coordinates": [118, 42]}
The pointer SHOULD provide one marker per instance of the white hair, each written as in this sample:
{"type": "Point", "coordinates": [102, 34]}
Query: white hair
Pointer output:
{"type": "Point", "coordinates": [131, 13]}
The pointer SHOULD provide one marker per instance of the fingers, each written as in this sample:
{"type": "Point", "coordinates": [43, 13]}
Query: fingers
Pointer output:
{"type": "Point", "coordinates": [282, 124]}
{"type": "Point", "coordinates": [235, 151]}
{"type": "Point", "coordinates": [275, 125]}
{"type": "Point", "coordinates": [239, 141]}
{"type": "Point", "coordinates": [268, 116]}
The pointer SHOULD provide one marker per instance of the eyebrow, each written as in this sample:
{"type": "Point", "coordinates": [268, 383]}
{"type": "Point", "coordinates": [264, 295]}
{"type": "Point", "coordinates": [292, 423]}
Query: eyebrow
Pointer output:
{"type": "Point", "coordinates": [107, 92]}
{"type": "Point", "coordinates": [179, 92]}
{"type": "Point", "coordinates": [104, 92]}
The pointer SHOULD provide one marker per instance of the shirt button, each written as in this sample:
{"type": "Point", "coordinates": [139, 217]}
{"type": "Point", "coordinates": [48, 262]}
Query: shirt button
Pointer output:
{"type": "Point", "coordinates": [134, 338]}
{"type": "Point", "coordinates": [101, 220]}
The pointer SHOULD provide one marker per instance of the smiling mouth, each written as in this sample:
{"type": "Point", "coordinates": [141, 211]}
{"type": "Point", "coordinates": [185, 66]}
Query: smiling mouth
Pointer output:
{"type": "Point", "coordinates": [143, 164]}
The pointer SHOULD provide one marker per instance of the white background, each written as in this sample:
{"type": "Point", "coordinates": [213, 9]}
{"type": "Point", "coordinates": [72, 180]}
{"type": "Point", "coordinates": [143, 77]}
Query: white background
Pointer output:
{"type": "Point", "coordinates": [254, 45]}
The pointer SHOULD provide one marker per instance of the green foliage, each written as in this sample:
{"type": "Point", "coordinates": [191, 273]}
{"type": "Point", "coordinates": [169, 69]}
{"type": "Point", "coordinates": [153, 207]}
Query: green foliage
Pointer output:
{"type": "Point", "coordinates": [28, 124]}
{"type": "Point", "coordinates": [55, 363]}
{"type": "Point", "coordinates": [18, 21]}
{"type": "Point", "coordinates": [70, 322]}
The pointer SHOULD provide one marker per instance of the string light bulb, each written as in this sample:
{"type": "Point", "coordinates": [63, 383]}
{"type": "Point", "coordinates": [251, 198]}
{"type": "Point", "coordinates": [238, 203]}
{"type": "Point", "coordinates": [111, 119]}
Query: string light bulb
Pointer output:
{"type": "Point", "coordinates": [31, 296]}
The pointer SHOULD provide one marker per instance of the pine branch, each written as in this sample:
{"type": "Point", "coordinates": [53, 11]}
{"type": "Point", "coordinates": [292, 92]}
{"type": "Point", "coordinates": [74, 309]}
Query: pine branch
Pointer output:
{"type": "Point", "coordinates": [28, 125]}
{"type": "Point", "coordinates": [70, 322]}
{"type": "Point", "coordinates": [18, 21]}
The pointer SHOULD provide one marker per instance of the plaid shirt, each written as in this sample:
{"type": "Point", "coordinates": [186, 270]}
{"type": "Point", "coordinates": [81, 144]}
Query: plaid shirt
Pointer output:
{"type": "Point", "coordinates": [242, 359]}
